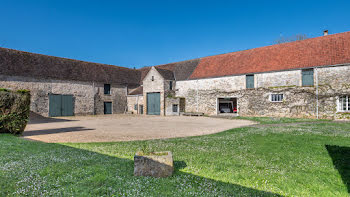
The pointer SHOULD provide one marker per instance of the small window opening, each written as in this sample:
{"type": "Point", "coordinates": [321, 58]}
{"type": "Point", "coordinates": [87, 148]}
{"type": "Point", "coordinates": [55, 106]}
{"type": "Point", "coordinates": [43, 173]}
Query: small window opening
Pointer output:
{"type": "Point", "coordinates": [276, 97]}
{"type": "Point", "coordinates": [249, 81]}
{"type": "Point", "coordinates": [344, 103]}
{"type": "Point", "coordinates": [107, 88]}
{"type": "Point", "coordinates": [171, 85]}
{"type": "Point", "coordinates": [175, 107]}
{"type": "Point", "coordinates": [152, 78]}
{"type": "Point", "coordinates": [135, 107]}
{"type": "Point", "coordinates": [307, 77]}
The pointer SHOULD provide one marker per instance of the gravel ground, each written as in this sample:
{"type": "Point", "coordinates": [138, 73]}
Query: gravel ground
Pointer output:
{"type": "Point", "coordinates": [109, 128]}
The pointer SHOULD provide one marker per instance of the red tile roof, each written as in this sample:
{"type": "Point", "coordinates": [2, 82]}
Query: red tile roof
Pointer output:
{"type": "Point", "coordinates": [321, 51]}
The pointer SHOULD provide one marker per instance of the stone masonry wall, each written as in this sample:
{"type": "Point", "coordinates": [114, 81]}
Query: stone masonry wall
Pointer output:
{"type": "Point", "coordinates": [169, 102]}
{"type": "Point", "coordinates": [83, 94]}
{"type": "Point", "coordinates": [133, 100]}
{"type": "Point", "coordinates": [117, 97]}
{"type": "Point", "coordinates": [201, 95]}
{"type": "Point", "coordinates": [157, 85]}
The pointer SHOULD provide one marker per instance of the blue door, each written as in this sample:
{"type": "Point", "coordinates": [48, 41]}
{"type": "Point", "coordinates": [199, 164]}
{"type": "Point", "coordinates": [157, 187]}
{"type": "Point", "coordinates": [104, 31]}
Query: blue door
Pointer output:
{"type": "Point", "coordinates": [153, 103]}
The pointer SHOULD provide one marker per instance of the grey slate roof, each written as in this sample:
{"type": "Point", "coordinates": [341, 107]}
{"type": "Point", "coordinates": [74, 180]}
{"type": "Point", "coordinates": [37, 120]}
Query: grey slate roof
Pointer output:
{"type": "Point", "coordinates": [166, 74]}
{"type": "Point", "coordinates": [136, 91]}
{"type": "Point", "coordinates": [19, 63]}
{"type": "Point", "coordinates": [184, 69]}
{"type": "Point", "coordinates": [181, 70]}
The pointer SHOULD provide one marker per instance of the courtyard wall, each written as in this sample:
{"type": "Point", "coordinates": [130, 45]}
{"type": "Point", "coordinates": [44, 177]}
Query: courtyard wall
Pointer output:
{"type": "Point", "coordinates": [201, 95]}
{"type": "Point", "coordinates": [88, 97]}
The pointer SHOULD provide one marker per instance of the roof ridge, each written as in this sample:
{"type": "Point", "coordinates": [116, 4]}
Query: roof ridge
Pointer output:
{"type": "Point", "coordinates": [285, 43]}
{"type": "Point", "coordinates": [65, 58]}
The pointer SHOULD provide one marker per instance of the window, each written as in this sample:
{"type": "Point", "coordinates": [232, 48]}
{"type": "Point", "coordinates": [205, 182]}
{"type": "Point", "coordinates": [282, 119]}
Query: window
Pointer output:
{"type": "Point", "coordinates": [307, 77]}
{"type": "Point", "coordinates": [107, 88]}
{"type": "Point", "coordinates": [152, 78]}
{"type": "Point", "coordinates": [249, 81]}
{"type": "Point", "coordinates": [276, 97]}
{"type": "Point", "coordinates": [141, 109]}
{"type": "Point", "coordinates": [135, 107]}
{"type": "Point", "coordinates": [171, 85]}
{"type": "Point", "coordinates": [175, 107]}
{"type": "Point", "coordinates": [344, 104]}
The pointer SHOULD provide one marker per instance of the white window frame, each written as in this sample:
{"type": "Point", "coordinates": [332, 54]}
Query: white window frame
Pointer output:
{"type": "Point", "coordinates": [340, 106]}
{"type": "Point", "coordinates": [276, 101]}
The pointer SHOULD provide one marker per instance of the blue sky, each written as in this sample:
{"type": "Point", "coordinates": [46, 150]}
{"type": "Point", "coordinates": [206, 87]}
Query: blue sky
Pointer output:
{"type": "Point", "coordinates": [146, 33]}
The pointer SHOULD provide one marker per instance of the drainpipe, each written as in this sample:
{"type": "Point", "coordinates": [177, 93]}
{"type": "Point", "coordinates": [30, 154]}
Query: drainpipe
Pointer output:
{"type": "Point", "coordinates": [137, 103]}
{"type": "Point", "coordinates": [317, 104]}
{"type": "Point", "coordinates": [93, 90]}
{"type": "Point", "coordinates": [197, 96]}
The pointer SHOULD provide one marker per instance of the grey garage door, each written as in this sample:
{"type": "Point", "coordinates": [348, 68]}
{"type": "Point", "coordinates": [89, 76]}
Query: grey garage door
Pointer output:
{"type": "Point", "coordinates": [153, 103]}
{"type": "Point", "coordinates": [60, 105]}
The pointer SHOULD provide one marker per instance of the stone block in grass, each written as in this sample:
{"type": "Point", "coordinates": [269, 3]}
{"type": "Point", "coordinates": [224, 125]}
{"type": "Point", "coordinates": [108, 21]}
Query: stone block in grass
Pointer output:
{"type": "Point", "coordinates": [155, 164]}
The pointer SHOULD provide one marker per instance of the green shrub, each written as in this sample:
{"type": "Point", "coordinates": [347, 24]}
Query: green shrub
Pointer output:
{"type": "Point", "coordinates": [14, 111]}
{"type": "Point", "coordinates": [23, 91]}
{"type": "Point", "coordinates": [4, 90]}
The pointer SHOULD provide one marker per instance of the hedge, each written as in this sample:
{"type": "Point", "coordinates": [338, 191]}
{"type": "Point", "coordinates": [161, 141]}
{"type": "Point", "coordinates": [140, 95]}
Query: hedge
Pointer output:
{"type": "Point", "coordinates": [14, 111]}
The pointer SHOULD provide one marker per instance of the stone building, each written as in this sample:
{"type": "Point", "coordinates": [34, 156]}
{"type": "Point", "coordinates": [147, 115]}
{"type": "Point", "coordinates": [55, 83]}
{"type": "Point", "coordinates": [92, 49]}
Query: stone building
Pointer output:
{"type": "Point", "coordinates": [308, 78]}
{"type": "Point", "coordinates": [62, 87]}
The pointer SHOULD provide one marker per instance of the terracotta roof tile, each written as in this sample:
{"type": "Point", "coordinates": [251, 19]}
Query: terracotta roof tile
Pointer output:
{"type": "Point", "coordinates": [321, 51]}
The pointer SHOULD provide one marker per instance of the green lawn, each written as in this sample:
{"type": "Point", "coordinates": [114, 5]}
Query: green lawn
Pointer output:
{"type": "Point", "coordinates": [300, 160]}
{"type": "Point", "coordinates": [272, 120]}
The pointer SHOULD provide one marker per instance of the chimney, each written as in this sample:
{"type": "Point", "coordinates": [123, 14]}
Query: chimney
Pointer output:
{"type": "Point", "coordinates": [325, 32]}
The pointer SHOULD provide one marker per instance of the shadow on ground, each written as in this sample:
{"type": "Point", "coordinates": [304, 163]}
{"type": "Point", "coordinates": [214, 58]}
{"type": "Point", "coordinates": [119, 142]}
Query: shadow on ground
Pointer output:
{"type": "Point", "coordinates": [341, 161]}
{"type": "Point", "coordinates": [53, 131]}
{"type": "Point", "coordinates": [35, 118]}
{"type": "Point", "coordinates": [86, 173]}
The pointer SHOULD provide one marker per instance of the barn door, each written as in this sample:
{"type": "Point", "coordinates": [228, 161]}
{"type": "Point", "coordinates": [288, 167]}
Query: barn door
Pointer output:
{"type": "Point", "coordinates": [55, 105]}
{"type": "Point", "coordinates": [60, 105]}
{"type": "Point", "coordinates": [153, 103]}
{"type": "Point", "coordinates": [67, 105]}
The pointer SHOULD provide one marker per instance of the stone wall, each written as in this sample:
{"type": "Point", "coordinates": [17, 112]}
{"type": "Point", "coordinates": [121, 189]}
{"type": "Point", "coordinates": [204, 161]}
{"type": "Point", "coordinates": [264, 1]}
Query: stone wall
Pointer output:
{"type": "Point", "coordinates": [276, 79]}
{"type": "Point", "coordinates": [169, 102]}
{"type": "Point", "coordinates": [133, 100]}
{"type": "Point", "coordinates": [157, 85]}
{"type": "Point", "coordinates": [88, 97]}
{"type": "Point", "coordinates": [117, 97]}
{"type": "Point", "coordinates": [201, 95]}
{"type": "Point", "coordinates": [333, 82]}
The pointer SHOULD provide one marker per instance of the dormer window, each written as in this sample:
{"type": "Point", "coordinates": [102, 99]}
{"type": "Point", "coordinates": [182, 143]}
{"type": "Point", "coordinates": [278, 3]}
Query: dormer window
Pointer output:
{"type": "Point", "coordinates": [152, 78]}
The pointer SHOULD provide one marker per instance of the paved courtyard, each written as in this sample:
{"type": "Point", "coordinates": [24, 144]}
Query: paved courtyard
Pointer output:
{"type": "Point", "coordinates": [124, 127]}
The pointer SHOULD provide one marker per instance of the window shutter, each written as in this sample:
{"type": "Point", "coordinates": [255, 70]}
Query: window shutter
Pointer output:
{"type": "Point", "coordinates": [249, 81]}
{"type": "Point", "coordinates": [307, 77]}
